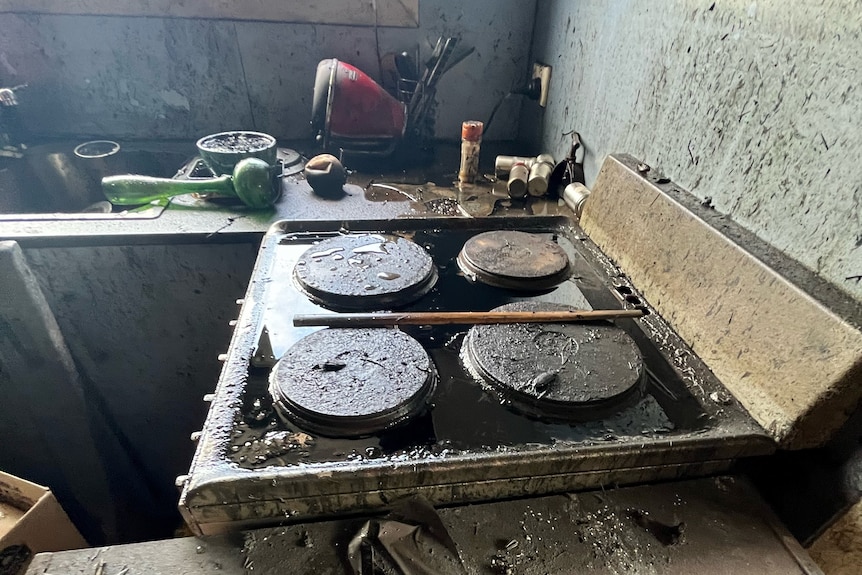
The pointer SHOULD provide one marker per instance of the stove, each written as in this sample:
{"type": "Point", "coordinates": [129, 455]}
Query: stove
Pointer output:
{"type": "Point", "coordinates": [310, 422]}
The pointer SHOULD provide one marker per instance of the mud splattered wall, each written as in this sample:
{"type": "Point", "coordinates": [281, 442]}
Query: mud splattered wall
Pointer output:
{"type": "Point", "coordinates": [176, 78]}
{"type": "Point", "coordinates": [754, 105]}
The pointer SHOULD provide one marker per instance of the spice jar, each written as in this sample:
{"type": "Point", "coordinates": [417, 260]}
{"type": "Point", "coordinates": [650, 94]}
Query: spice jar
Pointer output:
{"type": "Point", "coordinates": [471, 140]}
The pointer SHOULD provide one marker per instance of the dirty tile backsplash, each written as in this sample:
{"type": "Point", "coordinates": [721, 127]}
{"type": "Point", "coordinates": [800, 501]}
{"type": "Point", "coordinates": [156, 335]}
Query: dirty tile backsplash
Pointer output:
{"type": "Point", "coordinates": [179, 78]}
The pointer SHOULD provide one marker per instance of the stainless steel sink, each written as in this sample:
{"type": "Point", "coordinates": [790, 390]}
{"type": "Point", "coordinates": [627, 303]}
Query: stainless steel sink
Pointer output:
{"type": "Point", "coordinates": [50, 182]}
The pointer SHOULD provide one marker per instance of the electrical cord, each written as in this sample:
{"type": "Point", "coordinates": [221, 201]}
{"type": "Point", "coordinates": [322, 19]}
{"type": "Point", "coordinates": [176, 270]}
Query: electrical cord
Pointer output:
{"type": "Point", "coordinates": [532, 90]}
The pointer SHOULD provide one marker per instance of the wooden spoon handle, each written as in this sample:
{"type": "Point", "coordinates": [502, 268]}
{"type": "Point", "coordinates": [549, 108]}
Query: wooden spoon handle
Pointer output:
{"type": "Point", "coordinates": [459, 317]}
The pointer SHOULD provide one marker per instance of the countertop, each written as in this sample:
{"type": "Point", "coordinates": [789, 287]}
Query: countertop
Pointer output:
{"type": "Point", "coordinates": [374, 191]}
{"type": "Point", "coordinates": [713, 525]}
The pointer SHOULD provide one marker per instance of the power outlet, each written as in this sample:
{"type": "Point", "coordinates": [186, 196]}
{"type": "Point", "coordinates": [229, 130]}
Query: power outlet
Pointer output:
{"type": "Point", "coordinates": [542, 73]}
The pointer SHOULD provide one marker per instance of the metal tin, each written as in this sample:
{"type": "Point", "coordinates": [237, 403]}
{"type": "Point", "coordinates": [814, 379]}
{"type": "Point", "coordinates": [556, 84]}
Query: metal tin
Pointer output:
{"type": "Point", "coordinates": [503, 164]}
{"type": "Point", "coordinates": [575, 195]}
{"type": "Point", "coordinates": [540, 172]}
{"type": "Point", "coordinates": [517, 184]}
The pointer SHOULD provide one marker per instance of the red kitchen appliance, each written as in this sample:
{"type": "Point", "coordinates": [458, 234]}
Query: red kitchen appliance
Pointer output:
{"type": "Point", "coordinates": [352, 112]}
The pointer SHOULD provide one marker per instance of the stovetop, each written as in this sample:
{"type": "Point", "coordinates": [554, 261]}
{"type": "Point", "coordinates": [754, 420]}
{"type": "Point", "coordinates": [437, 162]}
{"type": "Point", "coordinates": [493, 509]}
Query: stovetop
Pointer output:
{"type": "Point", "coordinates": [254, 466]}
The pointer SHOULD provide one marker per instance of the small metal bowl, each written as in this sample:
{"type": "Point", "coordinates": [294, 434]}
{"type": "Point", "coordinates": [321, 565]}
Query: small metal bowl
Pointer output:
{"type": "Point", "coordinates": [97, 149]}
{"type": "Point", "coordinates": [221, 152]}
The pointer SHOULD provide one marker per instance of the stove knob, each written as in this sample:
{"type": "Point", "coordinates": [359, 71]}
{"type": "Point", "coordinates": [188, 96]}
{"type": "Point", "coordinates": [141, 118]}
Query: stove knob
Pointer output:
{"type": "Point", "coordinates": [181, 481]}
{"type": "Point", "coordinates": [209, 397]}
{"type": "Point", "coordinates": [196, 436]}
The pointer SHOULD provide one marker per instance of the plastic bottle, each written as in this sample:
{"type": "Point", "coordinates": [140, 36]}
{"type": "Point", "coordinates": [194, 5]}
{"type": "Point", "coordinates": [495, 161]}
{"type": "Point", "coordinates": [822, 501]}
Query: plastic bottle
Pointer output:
{"type": "Point", "coordinates": [471, 140]}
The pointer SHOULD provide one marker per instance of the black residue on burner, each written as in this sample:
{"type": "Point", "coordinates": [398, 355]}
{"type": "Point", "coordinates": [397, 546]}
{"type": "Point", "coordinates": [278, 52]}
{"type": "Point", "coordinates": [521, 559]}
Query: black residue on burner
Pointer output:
{"type": "Point", "coordinates": [561, 371]}
{"type": "Point", "coordinates": [539, 384]}
{"type": "Point", "coordinates": [490, 422]}
{"type": "Point", "coordinates": [449, 428]}
{"type": "Point", "coordinates": [330, 365]}
{"type": "Point", "coordinates": [463, 417]}
{"type": "Point", "coordinates": [352, 382]}
{"type": "Point", "coordinates": [419, 431]}
{"type": "Point", "coordinates": [365, 272]}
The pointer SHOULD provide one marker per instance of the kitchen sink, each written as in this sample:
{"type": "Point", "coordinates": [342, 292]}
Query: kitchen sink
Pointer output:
{"type": "Point", "coordinates": [51, 182]}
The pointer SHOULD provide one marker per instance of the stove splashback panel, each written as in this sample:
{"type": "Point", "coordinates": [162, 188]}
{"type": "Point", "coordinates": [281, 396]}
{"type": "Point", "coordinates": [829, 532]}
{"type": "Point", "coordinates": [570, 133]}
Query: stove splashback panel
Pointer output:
{"type": "Point", "coordinates": [253, 467]}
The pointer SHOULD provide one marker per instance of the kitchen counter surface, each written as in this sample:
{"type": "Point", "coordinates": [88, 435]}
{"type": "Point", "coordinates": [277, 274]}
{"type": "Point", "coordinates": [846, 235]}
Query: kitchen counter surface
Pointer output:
{"type": "Point", "coordinates": [378, 192]}
{"type": "Point", "coordinates": [714, 525]}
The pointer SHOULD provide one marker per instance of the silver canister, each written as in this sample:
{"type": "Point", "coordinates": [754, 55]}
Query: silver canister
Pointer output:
{"type": "Point", "coordinates": [517, 184]}
{"type": "Point", "coordinates": [575, 195]}
{"type": "Point", "coordinates": [540, 172]}
{"type": "Point", "coordinates": [503, 164]}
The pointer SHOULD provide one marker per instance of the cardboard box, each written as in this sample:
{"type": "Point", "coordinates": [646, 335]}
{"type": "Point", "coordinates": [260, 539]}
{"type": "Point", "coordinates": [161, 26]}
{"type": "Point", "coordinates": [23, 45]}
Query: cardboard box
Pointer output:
{"type": "Point", "coordinates": [31, 516]}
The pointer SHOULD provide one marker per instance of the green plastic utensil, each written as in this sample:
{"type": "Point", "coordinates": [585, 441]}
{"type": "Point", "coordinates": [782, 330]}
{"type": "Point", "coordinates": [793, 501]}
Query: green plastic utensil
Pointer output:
{"type": "Point", "coordinates": [251, 182]}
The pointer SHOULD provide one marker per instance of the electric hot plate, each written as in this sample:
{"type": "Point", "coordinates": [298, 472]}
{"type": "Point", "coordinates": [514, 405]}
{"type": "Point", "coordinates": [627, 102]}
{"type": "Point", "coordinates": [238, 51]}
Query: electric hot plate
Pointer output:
{"type": "Point", "coordinates": [365, 272]}
{"type": "Point", "coordinates": [562, 371]}
{"type": "Point", "coordinates": [353, 382]}
{"type": "Point", "coordinates": [514, 260]}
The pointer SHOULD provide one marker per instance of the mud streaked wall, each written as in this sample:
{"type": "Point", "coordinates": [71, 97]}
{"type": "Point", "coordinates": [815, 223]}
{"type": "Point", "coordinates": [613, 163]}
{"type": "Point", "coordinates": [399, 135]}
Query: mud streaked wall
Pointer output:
{"type": "Point", "coordinates": [144, 77]}
{"type": "Point", "coordinates": [753, 106]}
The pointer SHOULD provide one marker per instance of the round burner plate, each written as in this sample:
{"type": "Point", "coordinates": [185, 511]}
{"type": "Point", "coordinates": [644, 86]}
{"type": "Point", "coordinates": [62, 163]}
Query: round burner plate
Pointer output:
{"type": "Point", "coordinates": [561, 372]}
{"type": "Point", "coordinates": [365, 272]}
{"type": "Point", "coordinates": [353, 382]}
{"type": "Point", "coordinates": [514, 260]}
